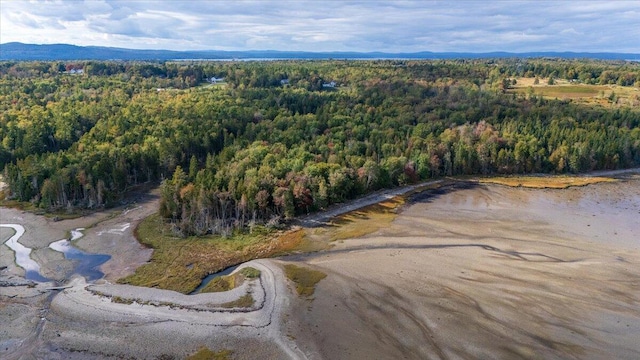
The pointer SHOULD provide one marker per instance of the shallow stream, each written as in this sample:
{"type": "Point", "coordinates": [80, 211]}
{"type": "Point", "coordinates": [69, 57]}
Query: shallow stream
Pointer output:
{"type": "Point", "coordinates": [85, 264]}
{"type": "Point", "coordinates": [23, 254]}
{"type": "Point", "coordinates": [210, 277]}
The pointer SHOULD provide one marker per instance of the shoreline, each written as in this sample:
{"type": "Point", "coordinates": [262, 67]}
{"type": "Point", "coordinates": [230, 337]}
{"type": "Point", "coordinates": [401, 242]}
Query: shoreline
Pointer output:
{"type": "Point", "coordinates": [514, 235]}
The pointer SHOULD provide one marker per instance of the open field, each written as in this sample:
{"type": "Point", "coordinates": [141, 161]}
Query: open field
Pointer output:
{"type": "Point", "coordinates": [603, 95]}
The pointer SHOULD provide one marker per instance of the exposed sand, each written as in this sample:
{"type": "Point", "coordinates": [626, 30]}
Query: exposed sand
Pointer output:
{"type": "Point", "coordinates": [108, 232]}
{"type": "Point", "coordinates": [488, 272]}
{"type": "Point", "coordinates": [23, 306]}
{"type": "Point", "coordinates": [83, 321]}
{"type": "Point", "coordinates": [177, 326]}
{"type": "Point", "coordinates": [483, 272]}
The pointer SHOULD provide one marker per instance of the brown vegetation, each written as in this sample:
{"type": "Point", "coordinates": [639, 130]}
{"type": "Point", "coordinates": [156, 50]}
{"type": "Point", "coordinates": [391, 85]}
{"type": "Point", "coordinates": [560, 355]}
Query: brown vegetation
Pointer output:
{"type": "Point", "coordinates": [364, 221]}
{"type": "Point", "coordinates": [230, 282]}
{"type": "Point", "coordinates": [245, 301]}
{"type": "Point", "coordinates": [181, 264]}
{"type": "Point", "coordinates": [304, 278]}
{"type": "Point", "coordinates": [545, 182]}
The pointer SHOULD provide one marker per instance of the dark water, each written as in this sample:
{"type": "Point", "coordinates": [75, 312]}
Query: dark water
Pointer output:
{"type": "Point", "coordinates": [210, 277]}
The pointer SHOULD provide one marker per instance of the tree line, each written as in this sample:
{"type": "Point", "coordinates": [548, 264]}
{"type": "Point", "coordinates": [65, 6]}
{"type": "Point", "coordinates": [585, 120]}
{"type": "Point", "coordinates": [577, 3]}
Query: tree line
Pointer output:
{"type": "Point", "coordinates": [258, 150]}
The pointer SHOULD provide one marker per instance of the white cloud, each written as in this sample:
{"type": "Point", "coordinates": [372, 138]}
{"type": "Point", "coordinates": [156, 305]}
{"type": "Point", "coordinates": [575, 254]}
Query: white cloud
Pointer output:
{"type": "Point", "coordinates": [399, 26]}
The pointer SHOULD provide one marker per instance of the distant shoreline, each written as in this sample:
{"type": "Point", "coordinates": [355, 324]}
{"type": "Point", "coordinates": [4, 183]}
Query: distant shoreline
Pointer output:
{"type": "Point", "coordinates": [57, 52]}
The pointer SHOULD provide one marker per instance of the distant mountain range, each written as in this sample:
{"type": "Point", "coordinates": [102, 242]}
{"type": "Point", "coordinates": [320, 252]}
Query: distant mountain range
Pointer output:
{"type": "Point", "coordinates": [20, 51]}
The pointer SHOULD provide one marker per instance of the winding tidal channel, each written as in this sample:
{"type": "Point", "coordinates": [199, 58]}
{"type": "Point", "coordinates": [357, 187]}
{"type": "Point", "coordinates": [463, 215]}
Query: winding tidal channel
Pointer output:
{"type": "Point", "coordinates": [85, 264]}
{"type": "Point", "coordinates": [23, 254]}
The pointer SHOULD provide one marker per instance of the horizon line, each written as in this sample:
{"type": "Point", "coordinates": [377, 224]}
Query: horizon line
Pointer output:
{"type": "Point", "coordinates": [335, 51]}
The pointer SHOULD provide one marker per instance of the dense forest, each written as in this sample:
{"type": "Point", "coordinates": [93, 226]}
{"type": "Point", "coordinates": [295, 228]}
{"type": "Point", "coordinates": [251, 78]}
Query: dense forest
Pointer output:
{"type": "Point", "coordinates": [280, 138]}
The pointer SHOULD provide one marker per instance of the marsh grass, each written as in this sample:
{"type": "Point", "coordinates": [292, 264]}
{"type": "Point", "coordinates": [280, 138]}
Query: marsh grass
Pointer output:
{"type": "Point", "coordinates": [230, 282]}
{"type": "Point", "coordinates": [305, 279]}
{"type": "Point", "coordinates": [545, 182]}
{"type": "Point", "coordinates": [180, 264]}
{"type": "Point", "coordinates": [250, 273]}
{"type": "Point", "coordinates": [364, 221]}
{"type": "Point", "coordinates": [222, 283]}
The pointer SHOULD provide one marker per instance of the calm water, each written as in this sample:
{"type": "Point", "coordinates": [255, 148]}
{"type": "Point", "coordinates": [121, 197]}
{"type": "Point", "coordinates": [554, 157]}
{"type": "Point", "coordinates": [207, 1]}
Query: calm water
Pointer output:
{"type": "Point", "coordinates": [86, 263]}
{"type": "Point", "coordinates": [210, 277]}
{"type": "Point", "coordinates": [23, 254]}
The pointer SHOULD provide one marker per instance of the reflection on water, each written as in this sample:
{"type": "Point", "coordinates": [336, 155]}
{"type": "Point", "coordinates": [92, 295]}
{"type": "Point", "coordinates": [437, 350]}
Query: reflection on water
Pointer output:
{"type": "Point", "coordinates": [76, 234]}
{"type": "Point", "coordinates": [23, 254]}
{"type": "Point", "coordinates": [210, 277]}
{"type": "Point", "coordinates": [86, 264]}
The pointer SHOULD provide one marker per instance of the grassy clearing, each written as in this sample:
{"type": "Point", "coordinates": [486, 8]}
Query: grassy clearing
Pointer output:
{"type": "Point", "coordinates": [180, 264]}
{"type": "Point", "coordinates": [364, 221]}
{"type": "Point", "coordinates": [545, 182]}
{"type": "Point", "coordinates": [230, 282]}
{"type": "Point", "coordinates": [245, 301]}
{"type": "Point", "coordinates": [603, 95]}
{"type": "Point", "coordinates": [207, 354]}
{"type": "Point", "coordinates": [304, 278]}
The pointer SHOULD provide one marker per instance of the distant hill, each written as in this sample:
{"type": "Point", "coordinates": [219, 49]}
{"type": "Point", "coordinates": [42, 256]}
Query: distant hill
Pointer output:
{"type": "Point", "coordinates": [20, 51]}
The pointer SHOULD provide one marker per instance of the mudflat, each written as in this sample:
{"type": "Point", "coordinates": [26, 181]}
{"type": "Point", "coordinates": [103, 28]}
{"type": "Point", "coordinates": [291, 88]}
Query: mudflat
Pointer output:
{"type": "Point", "coordinates": [485, 272]}
{"type": "Point", "coordinates": [468, 271]}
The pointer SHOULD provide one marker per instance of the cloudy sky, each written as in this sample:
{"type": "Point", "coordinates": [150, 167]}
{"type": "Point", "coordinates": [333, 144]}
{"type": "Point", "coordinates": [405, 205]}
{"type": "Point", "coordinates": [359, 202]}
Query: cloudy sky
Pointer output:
{"type": "Point", "coordinates": [329, 25]}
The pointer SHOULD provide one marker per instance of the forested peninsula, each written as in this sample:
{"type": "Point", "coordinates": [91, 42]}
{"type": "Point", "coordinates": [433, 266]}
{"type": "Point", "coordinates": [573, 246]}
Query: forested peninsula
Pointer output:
{"type": "Point", "coordinates": [239, 144]}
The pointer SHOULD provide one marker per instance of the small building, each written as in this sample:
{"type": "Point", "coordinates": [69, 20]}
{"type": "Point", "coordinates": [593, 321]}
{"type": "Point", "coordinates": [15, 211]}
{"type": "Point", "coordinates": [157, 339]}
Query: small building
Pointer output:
{"type": "Point", "coordinates": [329, 85]}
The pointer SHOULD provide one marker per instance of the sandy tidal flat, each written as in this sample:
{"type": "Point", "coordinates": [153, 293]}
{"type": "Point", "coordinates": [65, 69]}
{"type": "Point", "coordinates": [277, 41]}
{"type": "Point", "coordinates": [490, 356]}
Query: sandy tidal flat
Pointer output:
{"type": "Point", "coordinates": [464, 272]}
{"type": "Point", "coordinates": [486, 272]}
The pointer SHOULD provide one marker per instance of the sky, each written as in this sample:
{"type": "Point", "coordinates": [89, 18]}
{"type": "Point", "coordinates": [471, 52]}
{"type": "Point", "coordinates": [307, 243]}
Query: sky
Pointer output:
{"type": "Point", "coordinates": [329, 25]}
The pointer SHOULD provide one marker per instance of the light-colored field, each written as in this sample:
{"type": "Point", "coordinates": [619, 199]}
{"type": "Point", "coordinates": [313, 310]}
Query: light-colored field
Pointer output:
{"type": "Point", "coordinates": [604, 95]}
